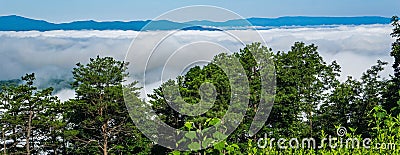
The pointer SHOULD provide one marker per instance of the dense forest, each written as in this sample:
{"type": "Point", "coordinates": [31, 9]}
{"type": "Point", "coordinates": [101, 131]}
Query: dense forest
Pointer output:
{"type": "Point", "coordinates": [309, 102]}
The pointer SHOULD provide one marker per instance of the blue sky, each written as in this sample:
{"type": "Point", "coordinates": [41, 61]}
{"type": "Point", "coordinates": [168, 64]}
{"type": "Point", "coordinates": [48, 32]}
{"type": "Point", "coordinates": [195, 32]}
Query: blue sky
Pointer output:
{"type": "Point", "coordinates": [106, 10]}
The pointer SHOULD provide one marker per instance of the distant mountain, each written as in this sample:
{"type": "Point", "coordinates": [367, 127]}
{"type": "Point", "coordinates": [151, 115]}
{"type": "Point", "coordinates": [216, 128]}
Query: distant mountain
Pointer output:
{"type": "Point", "coordinates": [9, 83]}
{"type": "Point", "coordinates": [18, 23]}
{"type": "Point", "coordinates": [56, 84]}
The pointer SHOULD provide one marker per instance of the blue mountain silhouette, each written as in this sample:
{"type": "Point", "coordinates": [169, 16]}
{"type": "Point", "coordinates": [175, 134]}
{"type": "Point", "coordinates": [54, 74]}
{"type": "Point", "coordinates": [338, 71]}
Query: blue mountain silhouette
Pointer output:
{"type": "Point", "coordinates": [18, 23]}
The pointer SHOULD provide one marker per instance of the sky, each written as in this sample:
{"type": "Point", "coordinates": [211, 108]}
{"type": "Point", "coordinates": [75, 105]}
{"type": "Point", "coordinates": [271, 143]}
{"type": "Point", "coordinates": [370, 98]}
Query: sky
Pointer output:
{"type": "Point", "coordinates": [125, 10]}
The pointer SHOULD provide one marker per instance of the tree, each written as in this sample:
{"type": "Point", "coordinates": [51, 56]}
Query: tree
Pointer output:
{"type": "Point", "coordinates": [53, 128]}
{"type": "Point", "coordinates": [351, 101]}
{"type": "Point", "coordinates": [339, 110]}
{"type": "Point", "coordinates": [213, 73]}
{"type": "Point", "coordinates": [393, 85]}
{"type": "Point", "coordinates": [98, 120]}
{"type": "Point", "coordinates": [24, 117]}
{"type": "Point", "coordinates": [303, 84]}
{"type": "Point", "coordinates": [395, 53]}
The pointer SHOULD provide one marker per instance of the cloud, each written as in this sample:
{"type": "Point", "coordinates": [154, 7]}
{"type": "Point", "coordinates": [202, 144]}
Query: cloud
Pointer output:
{"type": "Point", "coordinates": [53, 57]}
{"type": "Point", "coordinates": [53, 54]}
{"type": "Point", "coordinates": [110, 34]}
{"type": "Point", "coordinates": [355, 48]}
{"type": "Point", "coordinates": [65, 94]}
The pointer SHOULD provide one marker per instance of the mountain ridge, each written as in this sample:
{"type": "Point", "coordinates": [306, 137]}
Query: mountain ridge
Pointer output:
{"type": "Point", "coordinates": [19, 23]}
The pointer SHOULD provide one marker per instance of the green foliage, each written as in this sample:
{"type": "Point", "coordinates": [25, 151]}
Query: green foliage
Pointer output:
{"type": "Point", "coordinates": [396, 45]}
{"type": "Point", "coordinates": [393, 85]}
{"type": "Point", "coordinates": [98, 119]}
{"type": "Point", "coordinates": [385, 140]}
{"type": "Point", "coordinates": [29, 119]}
{"type": "Point", "coordinates": [303, 83]}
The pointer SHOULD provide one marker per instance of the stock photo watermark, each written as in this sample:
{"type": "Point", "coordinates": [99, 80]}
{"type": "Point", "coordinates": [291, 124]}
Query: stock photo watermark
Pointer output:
{"type": "Point", "coordinates": [330, 141]}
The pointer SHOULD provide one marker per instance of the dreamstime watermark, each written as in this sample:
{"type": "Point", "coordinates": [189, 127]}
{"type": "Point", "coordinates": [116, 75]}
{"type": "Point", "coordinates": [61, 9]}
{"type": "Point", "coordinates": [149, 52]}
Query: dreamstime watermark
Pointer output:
{"type": "Point", "coordinates": [339, 141]}
{"type": "Point", "coordinates": [159, 56]}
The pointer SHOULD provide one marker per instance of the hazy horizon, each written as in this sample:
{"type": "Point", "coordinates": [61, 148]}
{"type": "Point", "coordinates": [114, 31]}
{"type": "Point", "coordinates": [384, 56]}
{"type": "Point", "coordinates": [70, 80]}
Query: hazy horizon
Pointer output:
{"type": "Point", "coordinates": [101, 10]}
{"type": "Point", "coordinates": [128, 20]}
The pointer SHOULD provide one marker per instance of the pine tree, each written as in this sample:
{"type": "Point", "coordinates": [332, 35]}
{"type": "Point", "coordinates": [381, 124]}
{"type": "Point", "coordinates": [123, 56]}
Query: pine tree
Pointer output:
{"type": "Point", "coordinates": [98, 119]}
{"type": "Point", "coordinates": [24, 118]}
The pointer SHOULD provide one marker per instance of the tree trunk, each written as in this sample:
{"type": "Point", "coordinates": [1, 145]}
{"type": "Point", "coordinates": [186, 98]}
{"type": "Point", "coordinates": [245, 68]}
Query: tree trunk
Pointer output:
{"type": "Point", "coordinates": [14, 137]}
{"type": "Point", "coordinates": [104, 132]}
{"type": "Point", "coordinates": [105, 139]}
{"type": "Point", "coordinates": [28, 136]}
{"type": "Point", "coordinates": [55, 146]}
{"type": "Point", "coordinates": [311, 127]}
{"type": "Point", "coordinates": [105, 148]}
{"type": "Point", "coordinates": [4, 143]}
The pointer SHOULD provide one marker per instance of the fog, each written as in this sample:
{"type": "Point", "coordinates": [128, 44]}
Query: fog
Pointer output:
{"type": "Point", "coordinates": [53, 54]}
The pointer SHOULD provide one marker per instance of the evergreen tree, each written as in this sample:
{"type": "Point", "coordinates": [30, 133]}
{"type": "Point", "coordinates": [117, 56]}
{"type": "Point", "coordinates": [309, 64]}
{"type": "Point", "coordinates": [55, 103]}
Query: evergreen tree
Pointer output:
{"type": "Point", "coordinates": [99, 122]}
{"type": "Point", "coordinates": [393, 86]}
{"type": "Point", "coordinates": [24, 117]}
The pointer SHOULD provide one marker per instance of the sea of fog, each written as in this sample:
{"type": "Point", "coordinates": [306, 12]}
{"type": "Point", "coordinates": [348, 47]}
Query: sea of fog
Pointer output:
{"type": "Point", "coordinates": [53, 54]}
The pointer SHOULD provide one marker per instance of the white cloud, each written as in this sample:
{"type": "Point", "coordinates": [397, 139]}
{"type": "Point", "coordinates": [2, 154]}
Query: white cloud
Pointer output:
{"type": "Point", "coordinates": [65, 94]}
{"type": "Point", "coordinates": [115, 34]}
{"type": "Point", "coordinates": [53, 54]}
